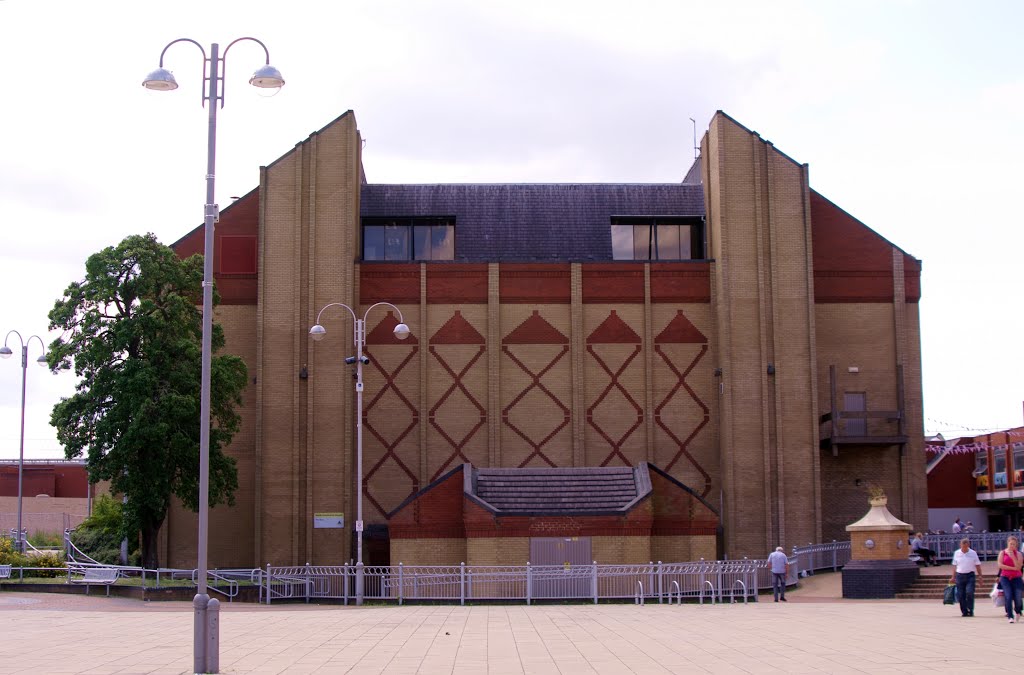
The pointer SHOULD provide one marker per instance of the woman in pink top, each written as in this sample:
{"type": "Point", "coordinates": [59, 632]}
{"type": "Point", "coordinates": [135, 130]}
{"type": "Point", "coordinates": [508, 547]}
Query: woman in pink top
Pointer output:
{"type": "Point", "coordinates": [1010, 563]}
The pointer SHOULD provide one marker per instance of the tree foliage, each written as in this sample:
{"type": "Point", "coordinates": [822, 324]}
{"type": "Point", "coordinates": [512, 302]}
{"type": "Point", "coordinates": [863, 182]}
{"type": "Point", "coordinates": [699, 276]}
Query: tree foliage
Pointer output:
{"type": "Point", "coordinates": [132, 332]}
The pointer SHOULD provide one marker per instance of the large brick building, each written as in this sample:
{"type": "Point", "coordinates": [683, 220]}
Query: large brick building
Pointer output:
{"type": "Point", "coordinates": [736, 330]}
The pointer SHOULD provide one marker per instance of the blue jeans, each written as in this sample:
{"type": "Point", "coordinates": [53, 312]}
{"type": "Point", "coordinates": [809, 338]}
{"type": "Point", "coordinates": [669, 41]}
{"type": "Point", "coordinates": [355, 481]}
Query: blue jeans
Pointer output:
{"type": "Point", "coordinates": [779, 584]}
{"type": "Point", "coordinates": [1012, 590]}
{"type": "Point", "coordinates": [965, 591]}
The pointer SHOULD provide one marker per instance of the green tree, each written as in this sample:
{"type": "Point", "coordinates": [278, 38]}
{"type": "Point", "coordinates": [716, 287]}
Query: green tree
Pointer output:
{"type": "Point", "coordinates": [132, 331]}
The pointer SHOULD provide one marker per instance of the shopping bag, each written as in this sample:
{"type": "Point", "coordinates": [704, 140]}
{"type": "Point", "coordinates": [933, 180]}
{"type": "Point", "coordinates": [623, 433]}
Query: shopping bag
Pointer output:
{"type": "Point", "coordinates": [949, 595]}
{"type": "Point", "coordinates": [997, 596]}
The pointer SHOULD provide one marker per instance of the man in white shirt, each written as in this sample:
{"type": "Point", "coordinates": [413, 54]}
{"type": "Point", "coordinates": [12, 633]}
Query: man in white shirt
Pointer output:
{"type": "Point", "coordinates": [956, 526]}
{"type": "Point", "coordinates": [965, 564]}
{"type": "Point", "coordinates": [779, 564]}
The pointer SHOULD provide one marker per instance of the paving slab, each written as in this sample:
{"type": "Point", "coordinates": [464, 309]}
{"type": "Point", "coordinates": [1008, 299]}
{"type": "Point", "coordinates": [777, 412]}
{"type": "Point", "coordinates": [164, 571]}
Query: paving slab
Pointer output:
{"type": "Point", "coordinates": [815, 632]}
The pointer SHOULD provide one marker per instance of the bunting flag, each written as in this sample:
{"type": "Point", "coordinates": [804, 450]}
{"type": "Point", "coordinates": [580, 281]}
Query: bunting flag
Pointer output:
{"type": "Point", "coordinates": [961, 449]}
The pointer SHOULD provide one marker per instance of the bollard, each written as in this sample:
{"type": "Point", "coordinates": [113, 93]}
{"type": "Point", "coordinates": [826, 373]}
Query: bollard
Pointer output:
{"type": "Point", "coordinates": [213, 636]}
{"type": "Point", "coordinates": [199, 628]}
{"type": "Point", "coordinates": [359, 583]}
{"type": "Point", "coordinates": [529, 582]}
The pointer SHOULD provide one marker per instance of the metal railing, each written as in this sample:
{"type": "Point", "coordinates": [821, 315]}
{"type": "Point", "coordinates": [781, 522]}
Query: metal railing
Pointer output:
{"type": "Point", "coordinates": [814, 557]}
{"type": "Point", "coordinates": [717, 581]}
{"type": "Point", "coordinates": [714, 580]}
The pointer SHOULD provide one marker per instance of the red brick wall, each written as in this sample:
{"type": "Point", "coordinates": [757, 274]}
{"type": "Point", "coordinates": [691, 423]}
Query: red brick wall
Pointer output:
{"type": "Point", "coordinates": [852, 263]}
{"type": "Point", "coordinates": [235, 250]}
{"type": "Point", "coordinates": [950, 483]}
{"type": "Point", "coordinates": [435, 513]}
{"type": "Point", "coordinates": [678, 512]}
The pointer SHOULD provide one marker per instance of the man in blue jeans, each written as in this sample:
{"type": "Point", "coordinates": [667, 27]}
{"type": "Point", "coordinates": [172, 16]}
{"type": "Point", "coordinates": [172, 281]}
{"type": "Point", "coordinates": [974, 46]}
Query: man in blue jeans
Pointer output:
{"type": "Point", "coordinates": [965, 564]}
{"type": "Point", "coordinates": [779, 564]}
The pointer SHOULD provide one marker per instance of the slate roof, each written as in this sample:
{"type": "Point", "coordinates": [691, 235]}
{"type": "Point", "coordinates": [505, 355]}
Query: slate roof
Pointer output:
{"type": "Point", "coordinates": [560, 491]}
{"type": "Point", "coordinates": [532, 222]}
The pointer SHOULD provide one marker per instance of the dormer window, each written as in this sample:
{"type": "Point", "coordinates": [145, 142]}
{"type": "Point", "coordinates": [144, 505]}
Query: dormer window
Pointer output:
{"type": "Point", "coordinates": [405, 239]}
{"type": "Point", "coordinates": [657, 238]}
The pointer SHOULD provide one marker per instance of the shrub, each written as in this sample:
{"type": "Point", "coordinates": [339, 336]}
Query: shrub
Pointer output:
{"type": "Point", "coordinates": [99, 535]}
{"type": "Point", "coordinates": [52, 560]}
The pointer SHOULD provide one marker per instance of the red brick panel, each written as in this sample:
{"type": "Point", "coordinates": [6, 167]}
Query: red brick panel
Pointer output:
{"type": "Point", "coordinates": [620, 282]}
{"type": "Point", "coordinates": [689, 282]}
{"type": "Point", "coordinates": [534, 283]}
{"type": "Point", "coordinates": [389, 282]}
{"type": "Point", "coordinates": [457, 284]}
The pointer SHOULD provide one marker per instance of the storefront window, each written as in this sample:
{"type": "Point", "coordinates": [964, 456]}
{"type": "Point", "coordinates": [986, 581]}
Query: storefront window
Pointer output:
{"type": "Point", "coordinates": [981, 470]}
{"type": "Point", "coordinates": [999, 476]}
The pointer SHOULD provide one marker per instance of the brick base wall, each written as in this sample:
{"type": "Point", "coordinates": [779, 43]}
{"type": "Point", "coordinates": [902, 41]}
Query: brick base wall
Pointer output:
{"type": "Point", "coordinates": [684, 549]}
{"type": "Point", "coordinates": [498, 550]}
{"type": "Point", "coordinates": [877, 578]}
{"type": "Point", "coordinates": [428, 551]}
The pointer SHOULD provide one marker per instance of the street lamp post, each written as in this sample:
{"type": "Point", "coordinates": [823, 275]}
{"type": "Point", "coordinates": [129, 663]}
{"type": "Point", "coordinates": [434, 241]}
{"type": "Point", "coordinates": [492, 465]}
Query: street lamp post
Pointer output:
{"type": "Point", "coordinates": [5, 353]}
{"type": "Point", "coordinates": [317, 332]}
{"type": "Point", "coordinates": [206, 657]}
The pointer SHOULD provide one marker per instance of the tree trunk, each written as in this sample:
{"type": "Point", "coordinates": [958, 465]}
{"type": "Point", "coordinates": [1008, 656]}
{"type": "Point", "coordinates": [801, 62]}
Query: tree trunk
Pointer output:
{"type": "Point", "coordinates": [150, 552]}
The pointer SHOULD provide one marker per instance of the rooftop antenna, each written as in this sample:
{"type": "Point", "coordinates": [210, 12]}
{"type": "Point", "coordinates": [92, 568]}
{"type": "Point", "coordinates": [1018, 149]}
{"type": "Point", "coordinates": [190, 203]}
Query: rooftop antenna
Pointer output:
{"type": "Point", "coordinates": [696, 148]}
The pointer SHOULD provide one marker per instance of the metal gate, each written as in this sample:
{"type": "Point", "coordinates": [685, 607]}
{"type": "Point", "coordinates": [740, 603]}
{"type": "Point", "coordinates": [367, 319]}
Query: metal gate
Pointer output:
{"type": "Point", "coordinates": [561, 567]}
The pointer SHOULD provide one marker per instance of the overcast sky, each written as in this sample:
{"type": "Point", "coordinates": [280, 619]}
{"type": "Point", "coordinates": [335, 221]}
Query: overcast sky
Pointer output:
{"type": "Point", "coordinates": [908, 113]}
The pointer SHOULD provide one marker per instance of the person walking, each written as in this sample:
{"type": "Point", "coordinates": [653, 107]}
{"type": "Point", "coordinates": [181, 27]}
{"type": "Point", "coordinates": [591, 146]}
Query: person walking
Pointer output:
{"type": "Point", "coordinates": [965, 564]}
{"type": "Point", "coordinates": [779, 564]}
{"type": "Point", "coordinates": [1011, 560]}
{"type": "Point", "coordinates": [918, 547]}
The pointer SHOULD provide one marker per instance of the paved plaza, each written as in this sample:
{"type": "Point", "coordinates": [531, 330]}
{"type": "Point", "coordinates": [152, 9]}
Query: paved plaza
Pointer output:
{"type": "Point", "coordinates": [814, 632]}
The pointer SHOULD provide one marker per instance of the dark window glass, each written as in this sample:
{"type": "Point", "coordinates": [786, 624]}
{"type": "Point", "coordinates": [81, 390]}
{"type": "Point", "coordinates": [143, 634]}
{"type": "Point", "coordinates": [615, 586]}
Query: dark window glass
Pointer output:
{"type": "Point", "coordinates": [421, 242]}
{"type": "Point", "coordinates": [373, 242]}
{"type": "Point", "coordinates": [641, 242]}
{"type": "Point", "coordinates": [686, 233]}
{"type": "Point", "coordinates": [668, 242]}
{"type": "Point", "coordinates": [656, 238]}
{"type": "Point", "coordinates": [408, 239]}
{"type": "Point", "coordinates": [442, 244]}
{"type": "Point", "coordinates": [1018, 467]}
{"type": "Point", "coordinates": [396, 242]}
{"type": "Point", "coordinates": [622, 242]}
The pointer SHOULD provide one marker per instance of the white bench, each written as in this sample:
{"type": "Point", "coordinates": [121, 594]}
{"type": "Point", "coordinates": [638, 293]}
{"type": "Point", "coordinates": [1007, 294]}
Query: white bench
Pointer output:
{"type": "Point", "coordinates": [5, 571]}
{"type": "Point", "coordinates": [98, 575]}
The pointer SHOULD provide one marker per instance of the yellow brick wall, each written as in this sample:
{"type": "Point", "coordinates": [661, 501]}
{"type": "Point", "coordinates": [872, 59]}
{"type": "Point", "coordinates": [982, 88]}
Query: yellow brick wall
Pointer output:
{"type": "Point", "coordinates": [498, 551]}
{"type": "Point", "coordinates": [621, 550]}
{"type": "Point", "coordinates": [232, 528]}
{"type": "Point", "coordinates": [888, 545]}
{"type": "Point", "coordinates": [536, 414]}
{"type": "Point", "coordinates": [759, 228]}
{"type": "Point", "coordinates": [428, 551]}
{"type": "Point", "coordinates": [683, 549]}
